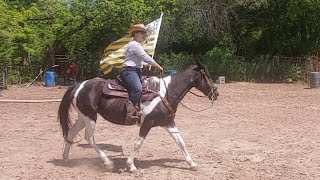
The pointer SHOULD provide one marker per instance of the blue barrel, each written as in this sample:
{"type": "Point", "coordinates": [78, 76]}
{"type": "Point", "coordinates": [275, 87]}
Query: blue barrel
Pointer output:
{"type": "Point", "coordinates": [172, 72]}
{"type": "Point", "coordinates": [49, 79]}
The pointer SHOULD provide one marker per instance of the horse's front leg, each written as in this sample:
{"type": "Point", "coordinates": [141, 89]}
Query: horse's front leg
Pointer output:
{"type": "Point", "coordinates": [144, 130]}
{"type": "Point", "coordinates": [173, 131]}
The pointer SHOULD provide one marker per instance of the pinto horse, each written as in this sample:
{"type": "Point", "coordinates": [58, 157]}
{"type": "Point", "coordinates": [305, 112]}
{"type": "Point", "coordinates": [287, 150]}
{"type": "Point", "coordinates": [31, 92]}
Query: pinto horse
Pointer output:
{"type": "Point", "coordinates": [88, 99]}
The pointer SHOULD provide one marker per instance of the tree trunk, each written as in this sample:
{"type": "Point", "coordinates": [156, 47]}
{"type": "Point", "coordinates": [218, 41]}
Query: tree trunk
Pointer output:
{"type": "Point", "coordinates": [25, 57]}
{"type": "Point", "coordinates": [49, 57]}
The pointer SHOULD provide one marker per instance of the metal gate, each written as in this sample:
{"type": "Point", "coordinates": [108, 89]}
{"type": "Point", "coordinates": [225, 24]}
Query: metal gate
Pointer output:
{"type": "Point", "coordinates": [3, 76]}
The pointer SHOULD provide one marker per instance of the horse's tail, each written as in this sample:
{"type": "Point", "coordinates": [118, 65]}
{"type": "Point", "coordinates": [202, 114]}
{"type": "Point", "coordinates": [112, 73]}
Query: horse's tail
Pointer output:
{"type": "Point", "coordinates": [63, 112]}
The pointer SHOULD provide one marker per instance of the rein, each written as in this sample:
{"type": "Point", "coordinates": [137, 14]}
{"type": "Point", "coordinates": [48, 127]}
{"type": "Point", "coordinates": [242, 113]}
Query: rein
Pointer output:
{"type": "Point", "coordinates": [196, 110]}
{"type": "Point", "coordinates": [196, 94]}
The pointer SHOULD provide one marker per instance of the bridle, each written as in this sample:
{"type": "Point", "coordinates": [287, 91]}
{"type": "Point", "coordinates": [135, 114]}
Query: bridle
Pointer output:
{"type": "Point", "coordinates": [212, 94]}
{"type": "Point", "coordinates": [213, 90]}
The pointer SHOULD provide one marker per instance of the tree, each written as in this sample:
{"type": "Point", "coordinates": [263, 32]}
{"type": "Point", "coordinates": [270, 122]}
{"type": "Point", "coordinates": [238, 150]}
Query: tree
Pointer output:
{"type": "Point", "coordinates": [286, 27]}
{"type": "Point", "coordinates": [196, 26]}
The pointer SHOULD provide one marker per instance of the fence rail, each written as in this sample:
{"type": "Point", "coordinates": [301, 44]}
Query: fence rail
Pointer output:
{"type": "Point", "coordinates": [17, 74]}
{"type": "Point", "coordinates": [25, 74]}
{"type": "Point", "coordinates": [280, 64]}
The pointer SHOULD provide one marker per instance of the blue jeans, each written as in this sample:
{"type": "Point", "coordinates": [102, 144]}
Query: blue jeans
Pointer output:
{"type": "Point", "coordinates": [131, 79]}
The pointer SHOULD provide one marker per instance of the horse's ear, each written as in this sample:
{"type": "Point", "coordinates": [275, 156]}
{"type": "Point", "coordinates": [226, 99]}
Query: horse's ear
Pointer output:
{"type": "Point", "coordinates": [199, 64]}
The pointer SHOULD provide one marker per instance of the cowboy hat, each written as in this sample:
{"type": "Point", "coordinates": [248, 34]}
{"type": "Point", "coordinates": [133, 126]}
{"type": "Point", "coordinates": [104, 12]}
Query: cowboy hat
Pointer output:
{"type": "Point", "coordinates": [138, 27]}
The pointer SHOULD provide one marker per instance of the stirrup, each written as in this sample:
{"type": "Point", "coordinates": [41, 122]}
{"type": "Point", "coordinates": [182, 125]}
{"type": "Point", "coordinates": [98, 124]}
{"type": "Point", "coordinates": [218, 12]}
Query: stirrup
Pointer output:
{"type": "Point", "coordinates": [132, 120]}
{"type": "Point", "coordinates": [133, 113]}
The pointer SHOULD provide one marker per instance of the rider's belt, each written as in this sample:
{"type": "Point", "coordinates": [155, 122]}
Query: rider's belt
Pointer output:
{"type": "Point", "coordinates": [131, 68]}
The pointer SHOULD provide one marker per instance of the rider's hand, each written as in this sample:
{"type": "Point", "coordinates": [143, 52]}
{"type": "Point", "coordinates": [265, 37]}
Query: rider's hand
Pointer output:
{"type": "Point", "coordinates": [145, 64]}
{"type": "Point", "coordinates": [160, 69]}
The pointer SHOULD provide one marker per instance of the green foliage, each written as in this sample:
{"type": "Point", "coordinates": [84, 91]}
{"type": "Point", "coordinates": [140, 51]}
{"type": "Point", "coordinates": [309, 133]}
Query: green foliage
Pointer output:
{"type": "Point", "coordinates": [234, 37]}
{"type": "Point", "coordinates": [285, 27]}
{"type": "Point", "coordinates": [223, 62]}
{"type": "Point", "coordinates": [20, 75]}
{"type": "Point", "coordinates": [271, 69]}
{"type": "Point", "coordinates": [196, 26]}
{"type": "Point", "coordinates": [80, 29]}
{"type": "Point", "coordinates": [295, 74]}
{"type": "Point", "coordinates": [178, 61]}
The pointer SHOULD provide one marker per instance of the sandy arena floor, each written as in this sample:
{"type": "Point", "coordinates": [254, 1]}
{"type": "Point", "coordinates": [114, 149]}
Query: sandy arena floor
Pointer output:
{"type": "Point", "coordinates": [254, 131]}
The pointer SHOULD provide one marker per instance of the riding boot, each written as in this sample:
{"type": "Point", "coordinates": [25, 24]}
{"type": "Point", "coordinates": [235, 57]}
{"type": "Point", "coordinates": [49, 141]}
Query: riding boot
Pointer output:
{"type": "Point", "coordinates": [133, 113]}
{"type": "Point", "coordinates": [137, 112]}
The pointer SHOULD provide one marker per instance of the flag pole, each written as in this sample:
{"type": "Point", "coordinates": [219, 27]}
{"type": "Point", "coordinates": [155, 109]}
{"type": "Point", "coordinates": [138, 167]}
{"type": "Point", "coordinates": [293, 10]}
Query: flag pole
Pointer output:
{"type": "Point", "coordinates": [157, 33]}
{"type": "Point", "coordinates": [156, 37]}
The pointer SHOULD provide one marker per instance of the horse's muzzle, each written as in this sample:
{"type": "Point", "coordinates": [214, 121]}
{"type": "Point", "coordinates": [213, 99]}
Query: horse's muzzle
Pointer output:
{"type": "Point", "coordinates": [213, 95]}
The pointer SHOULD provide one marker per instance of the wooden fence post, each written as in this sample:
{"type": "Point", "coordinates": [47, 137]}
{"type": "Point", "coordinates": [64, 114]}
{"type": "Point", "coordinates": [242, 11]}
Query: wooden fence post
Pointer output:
{"type": "Point", "coordinates": [4, 76]}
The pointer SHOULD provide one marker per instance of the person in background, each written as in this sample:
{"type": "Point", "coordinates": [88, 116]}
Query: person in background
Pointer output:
{"type": "Point", "coordinates": [135, 58]}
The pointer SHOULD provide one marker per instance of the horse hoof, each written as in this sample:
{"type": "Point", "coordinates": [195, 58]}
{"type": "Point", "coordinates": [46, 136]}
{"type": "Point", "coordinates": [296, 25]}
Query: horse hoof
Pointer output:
{"type": "Point", "coordinates": [194, 168]}
{"type": "Point", "coordinates": [121, 170]}
{"type": "Point", "coordinates": [134, 171]}
{"type": "Point", "coordinates": [108, 167]}
{"type": "Point", "coordinates": [65, 160]}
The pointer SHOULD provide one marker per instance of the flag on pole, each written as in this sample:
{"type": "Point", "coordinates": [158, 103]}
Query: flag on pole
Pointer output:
{"type": "Point", "coordinates": [115, 52]}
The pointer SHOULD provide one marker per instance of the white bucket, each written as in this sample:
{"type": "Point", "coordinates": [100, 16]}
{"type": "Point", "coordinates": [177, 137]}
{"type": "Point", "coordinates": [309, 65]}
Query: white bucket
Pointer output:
{"type": "Point", "coordinates": [221, 80]}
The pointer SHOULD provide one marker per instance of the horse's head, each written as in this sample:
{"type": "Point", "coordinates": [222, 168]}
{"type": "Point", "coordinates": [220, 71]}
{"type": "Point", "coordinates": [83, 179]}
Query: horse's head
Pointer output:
{"type": "Point", "coordinates": [203, 81]}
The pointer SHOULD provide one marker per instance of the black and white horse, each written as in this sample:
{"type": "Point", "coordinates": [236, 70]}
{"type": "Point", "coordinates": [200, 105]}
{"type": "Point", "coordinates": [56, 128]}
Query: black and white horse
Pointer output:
{"type": "Point", "coordinates": [88, 100]}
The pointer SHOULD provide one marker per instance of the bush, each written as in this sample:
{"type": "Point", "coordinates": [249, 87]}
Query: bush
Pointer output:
{"type": "Point", "coordinates": [175, 61]}
{"type": "Point", "coordinates": [223, 62]}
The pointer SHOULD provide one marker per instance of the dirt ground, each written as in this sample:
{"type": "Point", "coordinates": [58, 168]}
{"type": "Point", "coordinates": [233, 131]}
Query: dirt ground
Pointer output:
{"type": "Point", "coordinates": [253, 131]}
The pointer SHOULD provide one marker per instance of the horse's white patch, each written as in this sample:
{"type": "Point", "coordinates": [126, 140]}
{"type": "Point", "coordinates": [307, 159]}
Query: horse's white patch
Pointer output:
{"type": "Point", "coordinates": [90, 127]}
{"type": "Point", "coordinates": [164, 83]}
{"type": "Point", "coordinates": [74, 100]}
{"type": "Point", "coordinates": [137, 145]}
{"type": "Point", "coordinates": [139, 140]}
{"type": "Point", "coordinates": [148, 107]}
{"type": "Point", "coordinates": [174, 132]}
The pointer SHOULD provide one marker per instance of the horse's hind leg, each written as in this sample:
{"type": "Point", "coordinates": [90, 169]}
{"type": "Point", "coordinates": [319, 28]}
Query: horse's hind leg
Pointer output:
{"type": "Point", "coordinates": [71, 134]}
{"type": "Point", "coordinates": [173, 131]}
{"type": "Point", "coordinates": [90, 127]}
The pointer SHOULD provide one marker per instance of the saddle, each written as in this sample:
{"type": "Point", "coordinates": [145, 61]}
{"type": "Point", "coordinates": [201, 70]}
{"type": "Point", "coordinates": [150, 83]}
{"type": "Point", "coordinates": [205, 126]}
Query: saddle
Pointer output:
{"type": "Point", "coordinates": [115, 87]}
